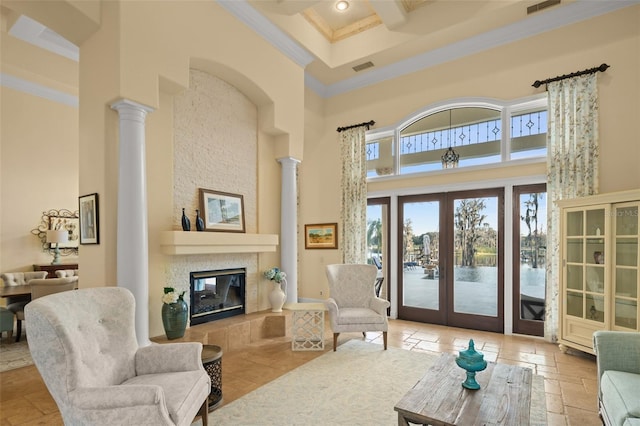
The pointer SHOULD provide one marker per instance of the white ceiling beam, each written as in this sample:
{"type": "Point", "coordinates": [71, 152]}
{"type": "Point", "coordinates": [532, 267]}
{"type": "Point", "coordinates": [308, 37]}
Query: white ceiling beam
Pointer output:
{"type": "Point", "coordinates": [391, 13]}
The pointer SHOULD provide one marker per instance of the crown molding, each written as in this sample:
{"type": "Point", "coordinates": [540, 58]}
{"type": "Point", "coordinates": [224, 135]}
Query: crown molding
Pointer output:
{"type": "Point", "coordinates": [534, 25]}
{"type": "Point", "coordinates": [242, 10]}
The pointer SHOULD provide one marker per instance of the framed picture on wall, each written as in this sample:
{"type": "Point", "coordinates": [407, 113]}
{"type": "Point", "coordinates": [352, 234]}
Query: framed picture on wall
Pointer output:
{"type": "Point", "coordinates": [89, 225]}
{"type": "Point", "coordinates": [222, 211]}
{"type": "Point", "coordinates": [321, 236]}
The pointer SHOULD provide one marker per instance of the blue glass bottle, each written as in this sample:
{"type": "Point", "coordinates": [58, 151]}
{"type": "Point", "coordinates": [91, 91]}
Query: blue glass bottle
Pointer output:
{"type": "Point", "coordinates": [186, 223]}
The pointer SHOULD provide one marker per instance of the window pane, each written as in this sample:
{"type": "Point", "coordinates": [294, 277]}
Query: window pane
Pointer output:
{"type": "Point", "coordinates": [533, 244]}
{"type": "Point", "coordinates": [380, 157]}
{"type": "Point", "coordinates": [376, 237]}
{"type": "Point", "coordinates": [475, 273]}
{"type": "Point", "coordinates": [529, 134]}
{"type": "Point", "coordinates": [474, 134]}
{"type": "Point", "coordinates": [421, 240]}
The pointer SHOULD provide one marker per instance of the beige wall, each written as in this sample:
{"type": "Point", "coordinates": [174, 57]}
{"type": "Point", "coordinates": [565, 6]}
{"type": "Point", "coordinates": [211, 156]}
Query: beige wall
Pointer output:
{"type": "Point", "coordinates": [120, 60]}
{"type": "Point", "coordinates": [38, 172]}
{"type": "Point", "coordinates": [146, 66]}
{"type": "Point", "coordinates": [504, 73]}
{"type": "Point", "coordinates": [38, 151]}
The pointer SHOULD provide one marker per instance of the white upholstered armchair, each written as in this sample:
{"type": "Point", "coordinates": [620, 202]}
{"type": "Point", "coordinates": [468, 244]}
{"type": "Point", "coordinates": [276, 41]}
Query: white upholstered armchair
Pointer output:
{"type": "Point", "coordinates": [84, 345]}
{"type": "Point", "coordinates": [353, 305]}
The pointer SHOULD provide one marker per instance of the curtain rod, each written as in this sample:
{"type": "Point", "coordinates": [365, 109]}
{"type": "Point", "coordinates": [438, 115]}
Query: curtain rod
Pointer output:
{"type": "Point", "coordinates": [601, 68]}
{"type": "Point", "coordinates": [367, 124]}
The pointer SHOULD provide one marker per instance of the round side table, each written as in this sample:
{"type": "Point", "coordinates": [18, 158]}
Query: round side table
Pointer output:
{"type": "Point", "coordinates": [212, 363]}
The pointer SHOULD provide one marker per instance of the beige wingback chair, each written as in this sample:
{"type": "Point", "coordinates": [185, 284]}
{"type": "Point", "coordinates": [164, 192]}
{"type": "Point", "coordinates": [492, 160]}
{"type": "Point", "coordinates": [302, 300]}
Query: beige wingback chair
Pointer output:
{"type": "Point", "coordinates": [353, 305]}
{"type": "Point", "coordinates": [84, 345]}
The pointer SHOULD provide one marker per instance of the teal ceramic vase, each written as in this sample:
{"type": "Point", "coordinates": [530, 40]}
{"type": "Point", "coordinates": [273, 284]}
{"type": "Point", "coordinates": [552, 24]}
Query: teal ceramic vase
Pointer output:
{"type": "Point", "coordinates": [472, 362]}
{"type": "Point", "coordinates": [174, 319]}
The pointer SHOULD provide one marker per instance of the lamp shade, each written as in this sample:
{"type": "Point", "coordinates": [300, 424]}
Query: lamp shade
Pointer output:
{"type": "Point", "coordinates": [57, 236]}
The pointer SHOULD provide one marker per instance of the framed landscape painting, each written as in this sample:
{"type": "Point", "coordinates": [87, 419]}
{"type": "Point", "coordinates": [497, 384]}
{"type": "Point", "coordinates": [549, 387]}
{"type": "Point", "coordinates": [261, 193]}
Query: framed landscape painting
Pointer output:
{"type": "Point", "coordinates": [222, 211]}
{"type": "Point", "coordinates": [321, 236]}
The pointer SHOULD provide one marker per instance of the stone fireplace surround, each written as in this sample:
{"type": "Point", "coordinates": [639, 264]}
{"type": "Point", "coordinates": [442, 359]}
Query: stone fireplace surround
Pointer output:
{"type": "Point", "coordinates": [205, 251]}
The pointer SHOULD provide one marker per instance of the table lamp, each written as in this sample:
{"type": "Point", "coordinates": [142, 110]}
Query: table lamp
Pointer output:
{"type": "Point", "coordinates": [57, 237]}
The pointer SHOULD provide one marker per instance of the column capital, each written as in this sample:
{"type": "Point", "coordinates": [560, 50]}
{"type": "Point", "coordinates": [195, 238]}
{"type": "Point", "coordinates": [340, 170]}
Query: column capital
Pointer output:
{"type": "Point", "coordinates": [288, 161]}
{"type": "Point", "coordinates": [131, 110]}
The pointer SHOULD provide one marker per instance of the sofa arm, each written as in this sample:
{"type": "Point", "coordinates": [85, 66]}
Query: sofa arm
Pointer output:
{"type": "Point", "coordinates": [168, 357]}
{"type": "Point", "coordinates": [114, 397]}
{"type": "Point", "coordinates": [380, 305]}
{"type": "Point", "coordinates": [333, 309]}
{"type": "Point", "coordinates": [617, 350]}
{"type": "Point", "coordinates": [331, 305]}
{"type": "Point", "coordinates": [124, 404]}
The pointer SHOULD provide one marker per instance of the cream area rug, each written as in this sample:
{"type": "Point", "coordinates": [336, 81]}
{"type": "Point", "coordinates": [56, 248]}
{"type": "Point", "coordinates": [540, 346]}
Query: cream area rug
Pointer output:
{"type": "Point", "coordinates": [359, 384]}
{"type": "Point", "coordinates": [14, 355]}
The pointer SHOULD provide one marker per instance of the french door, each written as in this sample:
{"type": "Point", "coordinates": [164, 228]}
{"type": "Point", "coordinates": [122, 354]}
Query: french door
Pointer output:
{"type": "Point", "coordinates": [378, 220]}
{"type": "Point", "coordinates": [452, 271]}
{"type": "Point", "coordinates": [529, 255]}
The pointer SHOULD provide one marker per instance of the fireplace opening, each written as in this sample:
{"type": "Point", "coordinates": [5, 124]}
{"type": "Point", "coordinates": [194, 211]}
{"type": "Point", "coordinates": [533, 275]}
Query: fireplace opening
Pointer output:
{"type": "Point", "coordinates": [216, 294]}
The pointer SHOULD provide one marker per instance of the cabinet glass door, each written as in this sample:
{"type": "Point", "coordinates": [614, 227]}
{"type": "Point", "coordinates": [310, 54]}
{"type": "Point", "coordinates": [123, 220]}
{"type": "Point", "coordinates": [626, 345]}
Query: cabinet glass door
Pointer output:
{"type": "Point", "coordinates": [584, 264]}
{"type": "Point", "coordinates": [626, 278]}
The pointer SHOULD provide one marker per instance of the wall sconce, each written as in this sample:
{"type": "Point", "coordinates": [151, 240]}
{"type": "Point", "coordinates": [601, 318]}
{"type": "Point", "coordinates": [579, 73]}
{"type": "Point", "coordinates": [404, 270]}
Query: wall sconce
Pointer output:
{"type": "Point", "coordinates": [57, 237]}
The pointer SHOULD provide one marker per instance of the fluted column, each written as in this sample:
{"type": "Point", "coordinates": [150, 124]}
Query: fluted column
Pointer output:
{"type": "Point", "coordinates": [289, 227]}
{"type": "Point", "coordinates": [132, 233]}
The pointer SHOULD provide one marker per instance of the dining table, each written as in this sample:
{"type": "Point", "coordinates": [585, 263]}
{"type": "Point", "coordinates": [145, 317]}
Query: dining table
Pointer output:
{"type": "Point", "coordinates": [15, 290]}
{"type": "Point", "coordinates": [18, 290]}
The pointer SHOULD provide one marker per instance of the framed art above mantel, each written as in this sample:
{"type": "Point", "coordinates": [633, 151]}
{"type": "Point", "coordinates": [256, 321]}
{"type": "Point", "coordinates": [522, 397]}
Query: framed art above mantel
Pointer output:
{"type": "Point", "coordinates": [222, 211]}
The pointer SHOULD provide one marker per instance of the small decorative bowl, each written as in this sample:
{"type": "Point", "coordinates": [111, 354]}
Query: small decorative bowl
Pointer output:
{"type": "Point", "coordinates": [472, 362]}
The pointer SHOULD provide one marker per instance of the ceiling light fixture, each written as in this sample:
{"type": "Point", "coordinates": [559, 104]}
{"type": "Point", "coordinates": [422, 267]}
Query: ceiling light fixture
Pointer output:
{"type": "Point", "coordinates": [450, 158]}
{"type": "Point", "coordinates": [342, 5]}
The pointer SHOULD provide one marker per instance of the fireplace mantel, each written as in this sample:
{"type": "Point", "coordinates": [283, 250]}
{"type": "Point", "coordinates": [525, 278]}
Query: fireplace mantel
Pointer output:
{"type": "Point", "coordinates": [181, 242]}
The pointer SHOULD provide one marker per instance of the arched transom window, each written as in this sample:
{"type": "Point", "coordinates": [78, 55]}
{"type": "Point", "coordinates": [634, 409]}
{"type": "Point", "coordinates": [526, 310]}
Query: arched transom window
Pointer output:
{"type": "Point", "coordinates": [459, 134]}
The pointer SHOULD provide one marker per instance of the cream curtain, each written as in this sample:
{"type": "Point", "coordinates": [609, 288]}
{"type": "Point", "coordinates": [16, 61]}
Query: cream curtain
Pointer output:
{"type": "Point", "coordinates": [572, 168]}
{"type": "Point", "coordinates": [352, 237]}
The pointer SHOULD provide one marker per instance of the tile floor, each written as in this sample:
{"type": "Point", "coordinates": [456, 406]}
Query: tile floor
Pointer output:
{"type": "Point", "coordinates": [570, 379]}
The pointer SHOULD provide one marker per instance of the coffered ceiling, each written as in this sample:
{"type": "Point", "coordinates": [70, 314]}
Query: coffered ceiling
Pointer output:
{"type": "Point", "coordinates": [373, 40]}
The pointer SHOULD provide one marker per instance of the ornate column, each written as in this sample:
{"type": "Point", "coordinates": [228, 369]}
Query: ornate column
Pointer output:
{"type": "Point", "coordinates": [289, 227]}
{"type": "Point", "coordinates": [132, 233]}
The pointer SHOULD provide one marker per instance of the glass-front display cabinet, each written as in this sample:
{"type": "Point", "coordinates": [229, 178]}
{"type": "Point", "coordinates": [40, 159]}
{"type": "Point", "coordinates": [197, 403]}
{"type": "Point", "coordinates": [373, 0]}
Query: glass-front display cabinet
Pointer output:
{"type": "Point", "coordinates": [625, 267]}
{"type": "Point", "coordinates": [600, 282]}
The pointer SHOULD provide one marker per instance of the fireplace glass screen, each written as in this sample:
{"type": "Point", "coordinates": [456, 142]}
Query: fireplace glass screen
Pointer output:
{"type": "Point", "coordinates": [216, 294]}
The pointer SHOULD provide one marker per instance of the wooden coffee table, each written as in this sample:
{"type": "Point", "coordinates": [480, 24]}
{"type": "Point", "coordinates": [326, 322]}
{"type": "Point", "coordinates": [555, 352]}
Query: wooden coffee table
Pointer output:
{"type": "Point", "coordinates": [439, 399]}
